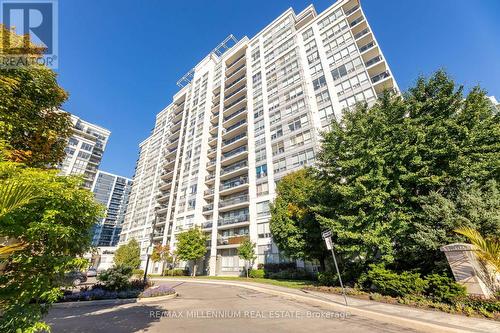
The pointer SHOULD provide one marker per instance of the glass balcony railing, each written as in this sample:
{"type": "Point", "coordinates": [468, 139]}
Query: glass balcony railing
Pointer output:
{"type": "Point", "coordinates": [235, 71]}
{"type": "Point", "coordinates": [238, 59]}
{"type": "Point", "coordinates": [210, 191]}
{"type": "Point", "coordinates": [234, 167]}
{"type": "Point", "coordinates": [235, 82]}
{"type": "Point", "coordinates": [235, 182]}
{"type": "Point", "coordinates": [356, 21]}
{"type": "Point", "coordinates": [235, 92]}
{"type": "Point", "coordinates": [208, 207]}
{"type": "Point", "coordinates": [361, 33]}
{"type": "Point", "coordinates": [235, 102]}
{"type": "Point", "coordinates": [232, 127]}
{"type": "Point", "coordinates": [352, 10]}
{"type": "Point", "coordinates": [234, 152]}
{"type": "Point", "coordinates": [234, 139]}
{"type": "Point", "coordinates": [234, 114]}
{"type": "Point", "coordinates": [380, 76]}
{"type": "Point", "coordinates": [234, 200]}
{"type": "Point", "coordinates": [366, 47]}
{"type": "Point", "coordinates": [373, 61]}
{"type": "Point", "coordinates": [233, 219]}
{"type": "Point", "coordinates": [206, 225]}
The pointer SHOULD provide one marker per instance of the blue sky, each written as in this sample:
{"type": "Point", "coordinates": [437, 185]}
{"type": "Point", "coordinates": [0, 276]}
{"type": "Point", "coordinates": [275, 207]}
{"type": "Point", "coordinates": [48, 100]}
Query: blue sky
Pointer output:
{"type": "Point", "coordinates": [119, 60]}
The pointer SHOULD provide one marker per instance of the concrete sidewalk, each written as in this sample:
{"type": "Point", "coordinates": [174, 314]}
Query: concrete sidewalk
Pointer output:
{"type": "Point", "coordinates": [419, 319]}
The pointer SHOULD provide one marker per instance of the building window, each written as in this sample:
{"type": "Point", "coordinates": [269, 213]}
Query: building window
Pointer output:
{"type": "Point", "coordinates": [263, 209]}
{"type": "Point", "coordinates": [278, 148]}
{"type": "Point", "coordinates": [262, 189]}
{"type": "Point", "coordinates": [319, 82]}
{"type": "Point", "coordinates": [261, 171]}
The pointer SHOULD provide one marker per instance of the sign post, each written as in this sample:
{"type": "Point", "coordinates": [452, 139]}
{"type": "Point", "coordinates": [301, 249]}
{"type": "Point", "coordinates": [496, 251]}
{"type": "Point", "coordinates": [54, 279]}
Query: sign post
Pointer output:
{"type": "Point", "coordinates": [327, 236]}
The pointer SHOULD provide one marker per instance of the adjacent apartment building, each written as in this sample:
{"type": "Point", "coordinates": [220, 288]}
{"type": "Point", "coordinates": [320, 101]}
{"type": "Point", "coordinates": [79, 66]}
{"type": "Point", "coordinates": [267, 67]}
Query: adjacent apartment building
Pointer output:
{"type": "Point", "coordinates": [113, 192]}
{"type": "Point", "coordinates": [250, 112]}
{"type": "Point", "coordinates": [84, 150]}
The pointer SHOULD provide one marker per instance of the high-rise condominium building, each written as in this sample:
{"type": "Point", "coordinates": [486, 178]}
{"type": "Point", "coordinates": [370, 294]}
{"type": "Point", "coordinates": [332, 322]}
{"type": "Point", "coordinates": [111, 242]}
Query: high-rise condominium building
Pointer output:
{"type": "Point", "coordinates": [112, 191]}
{"type": "Point", "coordinates": [246, 115]}
{"type": "Point", "coordinates": [84, 150]}
{"type": "Point", "coordinates": [494, 103]}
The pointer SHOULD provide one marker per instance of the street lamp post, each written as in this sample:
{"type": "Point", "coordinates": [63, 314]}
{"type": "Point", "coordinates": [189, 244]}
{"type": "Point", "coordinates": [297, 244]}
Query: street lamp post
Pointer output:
{"type": "Point", "coordinates": [149, 250]}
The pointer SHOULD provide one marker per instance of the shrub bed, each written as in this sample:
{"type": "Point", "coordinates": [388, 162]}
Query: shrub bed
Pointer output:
{"type": "Point", "coordinates": [175, 272]}
{"type": "Point", "coordinates": [256, 273]}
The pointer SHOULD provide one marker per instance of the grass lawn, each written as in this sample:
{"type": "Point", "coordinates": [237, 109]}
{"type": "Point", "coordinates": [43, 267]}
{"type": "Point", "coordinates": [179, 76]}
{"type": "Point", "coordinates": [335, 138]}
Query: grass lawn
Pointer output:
{"type": "Point", "coordinates": [296, 284]}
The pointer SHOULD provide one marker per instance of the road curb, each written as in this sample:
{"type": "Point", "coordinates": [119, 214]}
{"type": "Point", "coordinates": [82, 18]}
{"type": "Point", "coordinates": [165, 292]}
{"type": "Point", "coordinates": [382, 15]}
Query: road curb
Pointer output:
{"type": "Point", "coordinates": [121, 301]}
{"type": "Point", "coordinates": [384, 317]}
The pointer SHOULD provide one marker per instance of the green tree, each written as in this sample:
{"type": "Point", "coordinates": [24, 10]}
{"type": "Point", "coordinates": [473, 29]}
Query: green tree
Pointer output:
{"type": "Point", "coordinates": [55, 230]}
{"type": "Point", "coordinates": [246, 251]}
{"type": "Point", "coordinates": [128, 255]}
{"type": "Point", "coordinates": [473, 206]}
{"type": "Point", "coordinates": [162, 254]}
{"type": "Point", "coordinates": [191, 246]}
{"type": "Point", "coordinates": [30, 117]}
{"type": "Point", "coordinates": [293, 224]}
{"type": "Point", "coordinates": [378, 164]}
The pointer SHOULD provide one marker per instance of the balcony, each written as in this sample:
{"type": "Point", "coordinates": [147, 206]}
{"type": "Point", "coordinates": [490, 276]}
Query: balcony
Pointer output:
{"type": "Point", "coordinates": [211, 152]}
{"type": "Point", "coordinates": [215, 118]}
{"type": "Point", "coordinates": [228, 144]}
{"type": "Point", "coordinates": [208, 208]}
{"type": "Point", "coordinates": [366, 47]}
{"type": "Point", "coordinates": [234, 83]}
{"type": "Point", "coordinates": [234, 167]}
{"type": "Point", "coordinates": [233, 240]}
{"type": "Point", "coordinates": [352, 10]}
{"type": "Point", "coordinates": [234, 103]}
{"type": "Point", "coordinates": [234, 114]}
{"type": "Point", "coordinates": [207, 225]}
{"type": "Point", "coordinates": [225, 221]}
{"type": "Point", "coordinates": [210, 177]}
{"type": "Point", "coordinates": [212, 140]}
{"type": "Point", "coordinates": [356, 21]}
{"type": "Point", "coordinates": [238, 69]}
{"type": "Point", "coordinates": [210, 192]}
{"type": "Point", "coordinates": [233, 185]}
{"type": "Point", "coordinates": [235, 61]}
{"type": "Point", "coordinates": [234, 93]}
{"type": "Point", "coordinates": [158, 235]}
{"type": "Point", "coordinates": [234, 155]}
{"type": "Point", "coordinates": [235, 129]}
{"type": "Point", "coordinates": [172, 152]}
{"type": "Point", "coordinates": [234, 201]}
{"type": "Point", "coordinates": [361, 33]}
{"type": "Point", "coordinates": [373, 61]}
{"type": "Point", "coordinates": [211, 164]}
{"type": "Point", "coordinates": [380, 77]}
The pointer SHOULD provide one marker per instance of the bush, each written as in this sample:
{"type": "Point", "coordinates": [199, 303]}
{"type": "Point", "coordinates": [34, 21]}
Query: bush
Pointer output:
{"type": "Point", "coordinates": [289, 274]}
{"type": "Point", "coordinates": [389, 283]}
{"type": "Point", "coordinates": [275, 268]}
{"type": "Point", "coordinates": [176, 272]}
{"type": "Point", "coordinates": [443, 289]}
{"type": "Point", "coordinates": [256, 273]}
{"type": "Point", "coordinates": [138, 272]}
{"type": "Point", "coordinates": [329, 279]}
{"type": "Point", "coordinates": [116, 278]}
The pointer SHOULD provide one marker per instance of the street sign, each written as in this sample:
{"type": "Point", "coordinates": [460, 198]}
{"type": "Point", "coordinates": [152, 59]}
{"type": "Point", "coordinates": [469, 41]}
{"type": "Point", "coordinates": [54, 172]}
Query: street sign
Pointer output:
{"type": "Point", "coordinates": [149, 250]}
{"type": "Point", "coordinates": [326, 234]}
{"type": "Point", "coordinates": [328, 242]}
